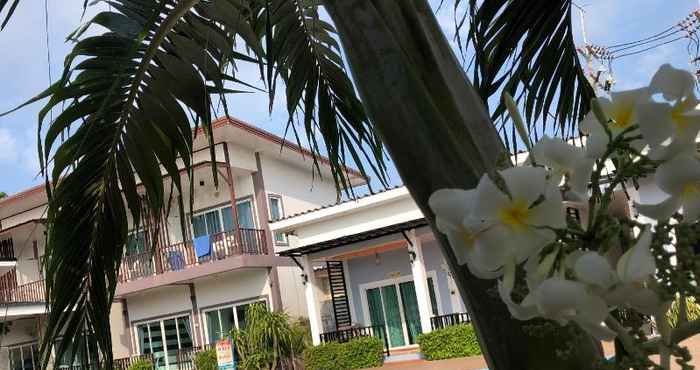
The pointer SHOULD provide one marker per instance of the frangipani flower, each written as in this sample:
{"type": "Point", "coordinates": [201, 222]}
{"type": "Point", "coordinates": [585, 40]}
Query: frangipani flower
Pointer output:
{"type": "Point", "coordinates": [565, 160]}
{"type": "Point", "coordinates": [562, 300]}
{"type": "Point", "coordinates": [673, 83]}
{"type": "Point", "coordinates": [622, 109]}
{"type": "Point", "coordinates": [680, 179]}
{"type": "Point", "coordinates": [514, 224]}
{"type": "Point", "coordinates": [451, 206]}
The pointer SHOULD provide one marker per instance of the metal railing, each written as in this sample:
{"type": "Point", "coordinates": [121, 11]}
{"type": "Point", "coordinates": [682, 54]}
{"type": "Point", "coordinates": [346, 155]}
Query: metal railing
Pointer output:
{"type": "Point", "coordinates": [124, 363]}
{"type": "Point", "coordinates": [183, 255]}
{"type": "Point", "coordinates": [345, 335]}
{"type": "Point", "coordinates": [442, 321]}
{"type": "Point", "coordinates": [33, 292]}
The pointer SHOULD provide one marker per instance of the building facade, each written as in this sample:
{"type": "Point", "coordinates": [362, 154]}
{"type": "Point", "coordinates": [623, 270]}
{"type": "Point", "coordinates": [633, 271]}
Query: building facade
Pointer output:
{"type": "Point", "coordinates": [194, 286]}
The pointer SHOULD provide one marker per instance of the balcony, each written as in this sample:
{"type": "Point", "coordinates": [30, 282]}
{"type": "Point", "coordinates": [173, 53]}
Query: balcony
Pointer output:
{"type": "Point", "coordinates": [7, 256]}
{"type": "Point", "coordinates": [178, 263]}
{"type": "Point", "coordinates": [33, 292]}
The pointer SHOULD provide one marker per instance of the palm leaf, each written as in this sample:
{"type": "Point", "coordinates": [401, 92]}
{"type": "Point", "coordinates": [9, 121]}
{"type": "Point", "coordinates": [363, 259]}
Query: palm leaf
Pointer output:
{"type": "Point", "coordinates": [11, 6]}
{"type": "Point", "coordinates": [526, 47]}
{"type": "Point", "coordinates": [124, 92]}
{"type": "Point", "coordinates": [303, 50]}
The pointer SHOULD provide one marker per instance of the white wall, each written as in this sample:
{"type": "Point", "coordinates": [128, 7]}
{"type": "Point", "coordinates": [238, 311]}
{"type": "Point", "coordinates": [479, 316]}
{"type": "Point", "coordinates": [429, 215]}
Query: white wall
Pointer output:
{"type": "Point", "coordinates": [232, 286]}
{"type": "Point", "coordinates": [159, 302]}
{"type": "Point", "coordinates": [27, 265]}
{"type": "Point", "coordinates": [120, 334]}
{"type": "Point", "coordinates": [292, 291]}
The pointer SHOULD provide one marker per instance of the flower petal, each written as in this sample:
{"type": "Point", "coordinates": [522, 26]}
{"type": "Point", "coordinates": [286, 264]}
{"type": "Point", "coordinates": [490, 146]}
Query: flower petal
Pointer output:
{"type": "Point", "coordinates": [673, 176]}
{"type": "Point", "coordinates": [556, 154]}
{"type": "Point", "coordinates": [558, 298]}
{"type": "Point", "coordinates": [660, 211]}
{"type": "Point", "coordinates": [493, 248]}
{"type": "Point", "coordinates": [549, 212]}
{"type": "Point", "coordinates": [451, 205]}
{"type": "Point", "coordinates": [655, 122]}
{"type": "Point", "coordinates": [521, 311]}
{"type": "Point", "coordinates": [489, 200]}
{"type": "Point", "coordinates": [637, 264]}
{"type": "Point", "coordinates": [525, 183]}
{"type": "Point", "coordinates": [673, 83]}
{"type": "Point", "coordinates": [598, 331]}
{"type": "Point", "coordinates": [594, 269]}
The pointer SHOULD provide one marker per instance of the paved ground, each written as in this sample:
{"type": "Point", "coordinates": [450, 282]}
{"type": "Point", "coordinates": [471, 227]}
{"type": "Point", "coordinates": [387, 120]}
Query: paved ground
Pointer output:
{"type": "Point", "coordinates": [478, 363]}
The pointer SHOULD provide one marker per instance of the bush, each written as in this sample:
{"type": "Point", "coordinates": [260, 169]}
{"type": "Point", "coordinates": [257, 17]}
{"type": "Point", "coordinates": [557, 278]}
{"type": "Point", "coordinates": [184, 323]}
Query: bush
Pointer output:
{"type": "Point", "coordinates": [358, 353]}
{"type": "Point", "coordinates": [141, 364]}
{"type": "Point", "coordinates": [206, 360]}
{"type": "Point", "coordinates": [450, 342]}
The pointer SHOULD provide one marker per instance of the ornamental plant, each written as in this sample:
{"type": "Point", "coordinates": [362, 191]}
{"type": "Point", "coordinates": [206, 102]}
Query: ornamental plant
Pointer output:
{"type": "Point", "coordinates": [607, 274]}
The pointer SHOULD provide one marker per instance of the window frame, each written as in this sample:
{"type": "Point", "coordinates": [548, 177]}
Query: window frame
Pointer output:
{"type": "Point", "coordinates": [161, 324]}
{"type": "Point", "coordinates": [283, 241]}
{"type": "Point", "coordinates": [231, 305]}
{"type": "Point", "coordinates": [22, 347]}
{"type": "Point", "coordinates": [219, 208]}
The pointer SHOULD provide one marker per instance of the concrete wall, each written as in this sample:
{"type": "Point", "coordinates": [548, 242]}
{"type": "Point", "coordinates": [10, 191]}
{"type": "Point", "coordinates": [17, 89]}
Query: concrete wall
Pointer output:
{"type": "Point", "coordinates": [120, 332]}
{"type": "Point", "coordinates": [292, 291]}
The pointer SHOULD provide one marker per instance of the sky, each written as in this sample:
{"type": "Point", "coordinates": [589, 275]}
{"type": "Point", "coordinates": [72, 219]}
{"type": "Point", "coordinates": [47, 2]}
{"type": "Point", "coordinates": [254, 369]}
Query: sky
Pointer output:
{"type": "Point", "coordinates": [24, 67]}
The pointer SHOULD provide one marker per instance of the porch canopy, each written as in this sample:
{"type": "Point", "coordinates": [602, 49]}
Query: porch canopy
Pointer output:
{"type": "Point", "coordinates": [365, 245]}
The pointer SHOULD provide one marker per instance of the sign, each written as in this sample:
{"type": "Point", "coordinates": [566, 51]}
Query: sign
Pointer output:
{"type": "Point", "coordinates": [224, 355]}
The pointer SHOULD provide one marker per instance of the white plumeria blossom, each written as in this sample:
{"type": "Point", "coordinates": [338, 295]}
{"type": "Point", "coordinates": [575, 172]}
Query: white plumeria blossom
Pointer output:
{"type": "Point", "coordinates": [514, 224]}
{"type": "Point", "coordinates": [680, 179]}
{"type": "Point", "coordinates": [489, 229]}
{"type": "Point", "coordinates": [565, 161]}
{"type": "Point", "coordinates": [450, 207]}
{"type": "Point", "coordinates": [622, 109]}
{"type": "Point", "coordinates": [670, 129]}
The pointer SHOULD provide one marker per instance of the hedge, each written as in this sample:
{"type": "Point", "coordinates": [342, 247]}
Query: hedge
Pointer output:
{"type": "Point", "coordinates": [450, 342]}
{"type": "Point", "coordinates": [206, 360]}
{"type": "Point", "coordinates": [141, 364]}
{"type": "Point", "coordinates": [358, 353]}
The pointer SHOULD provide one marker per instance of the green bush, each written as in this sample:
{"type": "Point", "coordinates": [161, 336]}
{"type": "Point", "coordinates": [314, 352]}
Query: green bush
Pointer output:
{"type": "Point", "coordinates": [450, 342]}
{"type": "Point", "coordinates": [358, 353]}
{"type": "Point", "coordinates": [206, 360]}
{"type": "Point", "coordinates": [141, 364]}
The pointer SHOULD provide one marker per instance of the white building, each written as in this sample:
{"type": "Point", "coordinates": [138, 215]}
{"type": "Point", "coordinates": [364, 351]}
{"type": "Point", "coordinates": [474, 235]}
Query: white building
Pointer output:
{"type": "Point", "coordinates": [175, 299]}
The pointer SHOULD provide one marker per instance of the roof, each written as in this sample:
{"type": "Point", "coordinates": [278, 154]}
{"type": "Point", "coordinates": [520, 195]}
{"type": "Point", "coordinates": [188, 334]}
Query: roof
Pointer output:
{"type": "Point", "coordinates": [354, 238]}
{"type": "Point", "coordinates": [337, 203]}
{"type": "Point", "coordinates": [219, 122]}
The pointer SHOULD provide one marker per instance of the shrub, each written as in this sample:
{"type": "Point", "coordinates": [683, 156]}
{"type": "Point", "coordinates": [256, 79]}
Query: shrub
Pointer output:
{"type": "Point", "coordinates": [450, 342]}
{"type": "Point", "coordinates": [693, 310]}
{"type": "Point", "coordinates": [206, 360]}
{"type": "Point", "coordinates": [141, 364]}
{"type": "Point", "coordinates": [358, 353]}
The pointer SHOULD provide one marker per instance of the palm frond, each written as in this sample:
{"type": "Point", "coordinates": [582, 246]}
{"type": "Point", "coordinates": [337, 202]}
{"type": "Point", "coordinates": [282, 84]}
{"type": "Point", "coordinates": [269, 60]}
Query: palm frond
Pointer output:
{"type": "Point", "coordinates": [126, 93]}
{"type": "Point", "coordinates": [526, 47]}
{"type": "Point", "coordinates": [303, 51]}
{"type": "Point", "coordinates": [11, 6]}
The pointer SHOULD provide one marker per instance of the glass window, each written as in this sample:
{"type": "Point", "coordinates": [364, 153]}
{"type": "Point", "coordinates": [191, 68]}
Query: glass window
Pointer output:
{"type": "Point", "coordinates": [227, 218]}
{"type": "Point", "coordinates": [276, 213]}
{"type": "Point", "coordinates": [24, 357]}
{"type": "Point", "coordinates": [163, 339]}
{"type": "Point", "coordinates": [136, 243]}
{"type": "Point", "coordinates": [220, 321]}
{"type": "Point", "coordinates": [244, 209]}
{"type": "Point", "coordinates": [207, 223]}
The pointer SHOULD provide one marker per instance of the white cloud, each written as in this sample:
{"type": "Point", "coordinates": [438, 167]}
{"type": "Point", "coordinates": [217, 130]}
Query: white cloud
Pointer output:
{"type": "Point", "coordinates": [8, 146]}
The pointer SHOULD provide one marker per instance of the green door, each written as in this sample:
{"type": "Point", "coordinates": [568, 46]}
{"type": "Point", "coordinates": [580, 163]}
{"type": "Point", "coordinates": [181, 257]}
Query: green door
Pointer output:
{"type": "Point", "coordinates": [410, 310]}
{"type": "Point", "coordinates": [384, 310]}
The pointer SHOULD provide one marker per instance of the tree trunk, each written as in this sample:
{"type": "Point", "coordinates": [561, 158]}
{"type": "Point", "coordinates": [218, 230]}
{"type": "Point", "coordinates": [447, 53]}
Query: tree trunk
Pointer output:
{"type": "Point", "coordinates": [438, 132]}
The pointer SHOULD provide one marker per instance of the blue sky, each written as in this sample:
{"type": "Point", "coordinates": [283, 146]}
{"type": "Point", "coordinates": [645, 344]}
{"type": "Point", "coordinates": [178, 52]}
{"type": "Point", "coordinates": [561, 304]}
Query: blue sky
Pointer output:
{"type": "Point", "coordinates": [24, 70]}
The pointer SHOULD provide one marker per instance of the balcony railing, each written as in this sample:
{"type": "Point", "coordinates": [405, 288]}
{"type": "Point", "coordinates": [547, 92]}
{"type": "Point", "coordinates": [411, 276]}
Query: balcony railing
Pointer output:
{"type": "Point", "coordinates": [345, 335]}
{"type": "Point", "coordinates": [442, 321]}
{"type": "Point", "coordinates": [33, 292]}
{"type": "Point", "coordinates": [182, 255]}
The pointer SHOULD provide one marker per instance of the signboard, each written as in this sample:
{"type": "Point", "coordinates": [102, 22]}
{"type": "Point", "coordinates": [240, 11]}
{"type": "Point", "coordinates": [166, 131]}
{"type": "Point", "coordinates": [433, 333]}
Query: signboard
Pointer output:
{"type": "Point", "coordinates": [224, 355]}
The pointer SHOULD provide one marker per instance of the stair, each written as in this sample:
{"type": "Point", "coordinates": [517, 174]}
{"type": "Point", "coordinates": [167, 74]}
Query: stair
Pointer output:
{"type": "Point", "coordinates": [339, 294]}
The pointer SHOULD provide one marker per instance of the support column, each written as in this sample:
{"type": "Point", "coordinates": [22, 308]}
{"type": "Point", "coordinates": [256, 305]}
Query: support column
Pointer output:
{"type": "Point", "coordinates": [311, 303]}
{"type": "Point", "coordinates": [420, 281]}
{"type": "Point", "coordinates": [263, 217]}
{"type": "Point", "coordinates": [196, 322]}
{"type": "Point", "coordinates": [232, 191]}
{"type": "Point", "coordinates": [127, 327]}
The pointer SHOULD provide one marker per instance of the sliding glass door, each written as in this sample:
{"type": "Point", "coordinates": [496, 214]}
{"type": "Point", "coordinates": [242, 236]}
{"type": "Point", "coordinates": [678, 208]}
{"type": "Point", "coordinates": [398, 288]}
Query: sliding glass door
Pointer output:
{"type": "Point", "coordinates": [164, 338]}
{"type": "Point", "coordinates": [394, 306]}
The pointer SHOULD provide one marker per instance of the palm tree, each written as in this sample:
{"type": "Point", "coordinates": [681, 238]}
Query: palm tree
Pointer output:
{"type": "Point", "coordinates": [132, 92]}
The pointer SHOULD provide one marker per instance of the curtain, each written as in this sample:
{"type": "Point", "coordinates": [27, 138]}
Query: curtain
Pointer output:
{"type": "Point", "coordinates": [393, 315]}
{"type": "Point", "coordinates": [410, 310]}
{"type": "Point", "coordinates": [433, 299]}
{"type": "Point", "coordinates": [227, 218]}
{"type": "Point", "coordinates": [376, 313]}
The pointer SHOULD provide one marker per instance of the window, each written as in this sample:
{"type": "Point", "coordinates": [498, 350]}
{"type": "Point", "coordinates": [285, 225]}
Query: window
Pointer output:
{"type": "Point", "coordinates": [136, 243]}
{"type": "Point", "coordinates": [24, 357]}
{"type": "Point", "coordinates": [163, 339]}
{"type": "Point", "coordinates": [220, 219]}
{"type": "Point", "coordinates": [277, 213]}
{"type": "Point", "coordinates": [220, 321]}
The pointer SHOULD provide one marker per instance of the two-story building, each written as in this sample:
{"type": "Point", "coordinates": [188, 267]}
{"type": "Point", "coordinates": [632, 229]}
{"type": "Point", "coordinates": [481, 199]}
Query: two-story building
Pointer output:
{"type": "Point", "coordinates": [194, 286]}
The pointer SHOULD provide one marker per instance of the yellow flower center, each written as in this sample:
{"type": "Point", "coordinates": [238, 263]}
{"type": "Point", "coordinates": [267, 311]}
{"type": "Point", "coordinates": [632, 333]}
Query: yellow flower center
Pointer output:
{"type": "Point", "coordinates": [690, 190]}
{"type": "Point", "coordinates": [516, 214]}
{"type": "Point", "coordinates": [678, 116]}
{"type": "Point", "coordinates": [468, 238]}
{"type": "Point", "coordinates": [622, 116]}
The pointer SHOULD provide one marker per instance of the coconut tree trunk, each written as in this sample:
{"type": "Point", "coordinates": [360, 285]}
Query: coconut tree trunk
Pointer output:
{"type": "Point", "coordinates": [438, 132]}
